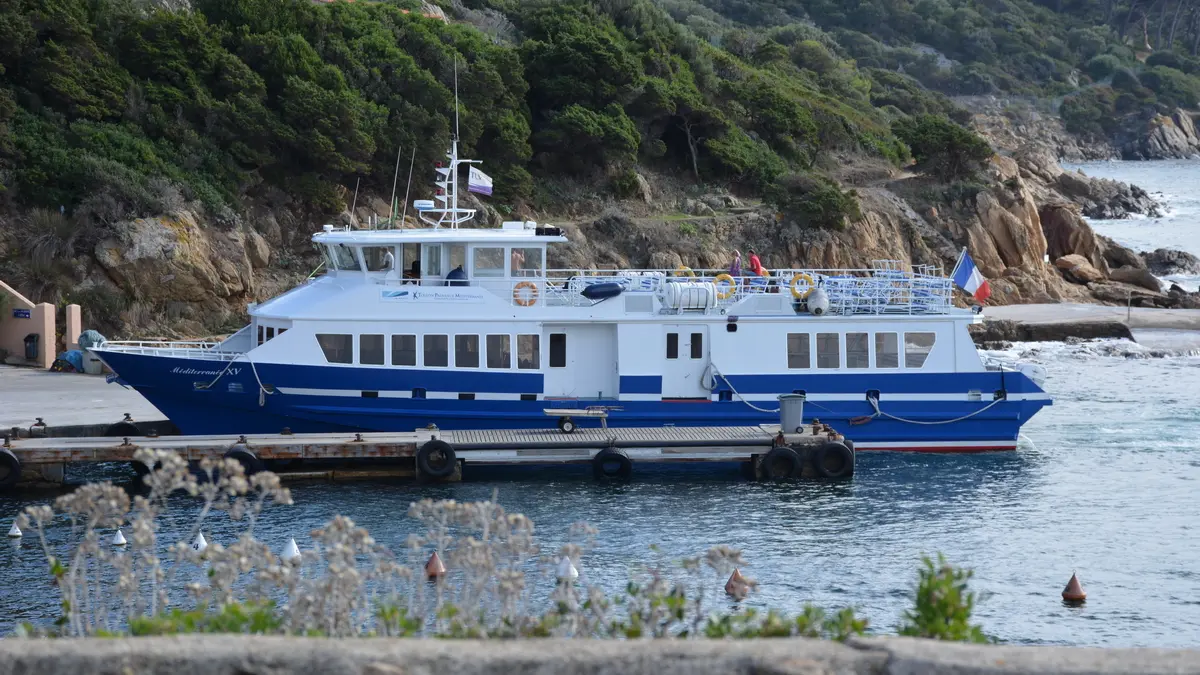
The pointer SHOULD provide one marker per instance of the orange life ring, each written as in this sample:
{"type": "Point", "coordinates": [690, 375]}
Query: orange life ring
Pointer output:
{"type": "Point", "coordinates": [525, 300]}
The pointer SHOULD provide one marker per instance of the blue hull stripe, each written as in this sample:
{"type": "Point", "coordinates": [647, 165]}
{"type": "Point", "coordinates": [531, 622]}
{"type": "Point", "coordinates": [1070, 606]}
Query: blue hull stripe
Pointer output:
{"type": "Point", "coordinates": [641, 384]}
{"type": "Point", "coordinates": [231, 406]}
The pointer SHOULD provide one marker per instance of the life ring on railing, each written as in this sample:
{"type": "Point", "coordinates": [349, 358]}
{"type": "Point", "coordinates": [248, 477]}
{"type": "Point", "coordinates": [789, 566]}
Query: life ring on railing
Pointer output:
{"type": "Point", "coordinates": [684, 271]}
{"type": "Point", "coordinates": [731, 289]}
{"type": "Point", "coordinates": [796, 293]}
{"type": "Point", "coordinates": [525, 299]}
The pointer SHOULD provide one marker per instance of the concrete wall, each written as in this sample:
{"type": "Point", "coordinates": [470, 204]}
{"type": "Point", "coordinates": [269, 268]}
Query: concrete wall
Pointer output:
{"type": "Point", "coordinates": [13, 329]}
{"type": "Point", "coordinates": [202, 655]}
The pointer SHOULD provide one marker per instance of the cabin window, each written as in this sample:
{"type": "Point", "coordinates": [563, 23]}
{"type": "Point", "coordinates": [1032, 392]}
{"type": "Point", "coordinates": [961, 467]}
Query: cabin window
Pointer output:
{"type": "Point", "coordinates": [379, 258]}
{"type": "Point", "coordinates": [499, 351]}
{"type": "Point", "coordinates": [916, 348]}
{"type": "Point", "coordinates": [404, 350]}
{"type": "Point", "coordinates": [466, 351]}
{"type": "Point", "coordinates": [529, 355]}
{"type": "Point", "coordinates": [410, 255]}
{"type": "Point", "coordinates": [525, 262]}
{"type": "Point", "coordinates": [887, 353]}
{"type": "Point", "coordinates": [431, 263]}
{"type": "Point", "coordinates": [858, 354]}
{"type": "Point", "coordinates": [342, 257]}
{"type": "Point", "coordinates": [437, 351]}
{"type": "Point", "coordinates": [281, 331]}
{"type": "Point", "coordinates": [558, 350]}
{"type": "Point", "coordinates": [270, 333]}
{"type": "Point", "coordinates": [370, 349]}
{"type": "Point", "coordinates": [797, 350]}
{"type": "Point", "coordinates": [260, 335]}
{"type": "Point", "coordinates": [337, 348]}
{"type": "Point", "coordinates": [697, 345]}
{"type": "Point", "coordinates": [489, 262]}
{"type": "Point", "coordinates": [672, 345]}
{"type": "Point", "coordinates": [458, 257]}
{"type": "Point", "coordinates": [828, 350]}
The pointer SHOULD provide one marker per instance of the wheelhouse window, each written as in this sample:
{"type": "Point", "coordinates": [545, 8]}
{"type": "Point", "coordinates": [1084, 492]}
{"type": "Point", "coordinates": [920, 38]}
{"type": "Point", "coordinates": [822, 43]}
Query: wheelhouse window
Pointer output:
{"type": "Point", "coordinates": [437, 351]}
{"type": "Point", "coordinates": [828, 350]}
{"type": "Point", "coordinates": [525, 262]}
{"type": "Point", "coordinates": [341, 257]}
{"type": "Point", "coordinates": [672, 345]}
{"type": "Point", "coordinates": [529, 355]}
{"type": "Point", "coordinates": [499, 351]}
{"type": "Point", "coordinates": [887, 353]}
{"type": "Point", "coordinates": [404, 350]}
{"type": "Point", "coordinates": [379, 258]}
{"type": "Point", "coordinates": [858, 354]}
{"type": "Point", "coordinates": [270, 333]}
{"type": "Point", "coordinates": [431, 263]}
{"type": "Point", "coordinates": [697, 345]}
{"type": "Point", "coordinates": [458, 257]}
{"type": "Point", "coordinates": [558, 350]}
{"type": "Point", "coordinates": [488, 262]}
{"type": "Point", "coordinates": [798, 351]}
{"type": "Point", "coordinates": [337, 348]}
{"type": "Point", "coordinates": [466, 351]}
{"type": "Point", "coordinates": [917, 347]}
{"type": "Point", "coordinates": [370, 349]}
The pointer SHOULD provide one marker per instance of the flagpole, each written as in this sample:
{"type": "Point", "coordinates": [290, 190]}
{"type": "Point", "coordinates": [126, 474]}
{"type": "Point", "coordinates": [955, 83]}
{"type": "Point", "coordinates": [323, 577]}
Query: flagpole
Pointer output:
{"type": "Point", "coordinates": [962, 254]}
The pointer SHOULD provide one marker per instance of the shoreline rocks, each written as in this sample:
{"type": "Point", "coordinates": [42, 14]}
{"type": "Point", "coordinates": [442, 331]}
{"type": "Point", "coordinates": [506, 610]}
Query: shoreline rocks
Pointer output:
{"type": "Point", "coordinates": [995, 332]}
{"type": "Point", "coordinates": [1164, 261]}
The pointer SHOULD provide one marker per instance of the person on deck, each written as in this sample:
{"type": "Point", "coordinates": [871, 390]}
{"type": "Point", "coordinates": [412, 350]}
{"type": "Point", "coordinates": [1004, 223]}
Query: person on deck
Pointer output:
{"type": "Point", "coordinates": [756, 267]}
{"type": "Point", "coordinates": [735, 269]}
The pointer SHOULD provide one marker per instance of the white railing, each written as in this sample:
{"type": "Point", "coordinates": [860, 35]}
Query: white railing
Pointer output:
{"type": "Point", "coordinates": [889, 287]}
{"type": "Point", "coordinates": [188, 349]}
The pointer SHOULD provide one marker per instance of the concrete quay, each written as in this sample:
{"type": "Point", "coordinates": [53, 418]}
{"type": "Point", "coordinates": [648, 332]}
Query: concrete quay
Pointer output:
{"type": "Point", "coordinates": [226, 655]}
{"type": "Point", "coordinates": [66, 399]}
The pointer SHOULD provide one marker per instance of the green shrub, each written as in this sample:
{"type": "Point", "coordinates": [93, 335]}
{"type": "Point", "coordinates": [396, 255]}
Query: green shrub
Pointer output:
{"type": "Point", "coordinates": [625, 184]}
{"type": "Point", "coordinates": [1123, 79]}
{"type": "Point", "coordinates": [943, 604]}
{"type": "Point", "coordinates": [1172, 87]}
{"type": "Point", "coordinates": [814, 201]}
{"type": "Point", "coordinates": [941, 147]}
{"type": "Point", "coordinates": [1102, 66]}
{"type": "Point", "coordinates": [1090, 112]}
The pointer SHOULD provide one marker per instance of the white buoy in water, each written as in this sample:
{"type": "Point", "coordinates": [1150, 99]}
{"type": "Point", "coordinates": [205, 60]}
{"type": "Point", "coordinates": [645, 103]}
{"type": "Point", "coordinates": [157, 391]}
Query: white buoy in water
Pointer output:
{"type": "Point", "coordinates": [566, 571]}
{"type": "Point", "coordinates": [14, 531]}
{"type": "Point", "coordinates": [199, 543]}
{"type": "Point", "coordinates": [291, 552]}
{"type": "Point", "coordinates": [119, 538]}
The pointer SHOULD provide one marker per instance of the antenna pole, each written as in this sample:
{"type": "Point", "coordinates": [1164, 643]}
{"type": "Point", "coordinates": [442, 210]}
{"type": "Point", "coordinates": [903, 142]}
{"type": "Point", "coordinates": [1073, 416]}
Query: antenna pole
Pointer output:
{"type": "Point", "coordinates": [354, 203]}
{"type": "Point", "coordinates": [456, 97]}
{"type": "Point", "coordinates": [395, 177]}
{"type": "Point", "coordinates": [409, 186]}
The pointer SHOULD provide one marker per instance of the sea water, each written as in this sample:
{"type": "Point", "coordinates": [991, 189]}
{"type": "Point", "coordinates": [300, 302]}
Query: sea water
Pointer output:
{"type": "Point", "coordinates": [1106, 483]}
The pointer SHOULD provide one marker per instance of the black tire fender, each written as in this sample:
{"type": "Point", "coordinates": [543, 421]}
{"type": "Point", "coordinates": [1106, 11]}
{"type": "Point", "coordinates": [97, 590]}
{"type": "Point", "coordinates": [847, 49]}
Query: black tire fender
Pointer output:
{"type": "Point", "coordinates": [436, 459]}
{"type": "Point", "coordinates": [249, 461]}
{"type": "Point", "coordinates": [603, 464]}
{"type": "Point", "coordinates": [834, 460]}
{"type": "Point", "coordinates": [10, 468]}
{"type": "Point", "coordinates": [780, 463]}
{"type": "Point", "coordinates": [123, 429]}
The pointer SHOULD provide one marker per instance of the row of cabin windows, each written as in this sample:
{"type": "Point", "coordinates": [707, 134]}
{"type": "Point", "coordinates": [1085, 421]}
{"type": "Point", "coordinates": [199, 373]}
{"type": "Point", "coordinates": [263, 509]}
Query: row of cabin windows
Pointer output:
{"type": "Point", "coordinates": [435, 350]}
{"type": "Point", "coordinates": [697, 345]}
{"type": "Point", "coordinates": [266, 333]}
{"type": "Point", "coordinates": [858, 350]}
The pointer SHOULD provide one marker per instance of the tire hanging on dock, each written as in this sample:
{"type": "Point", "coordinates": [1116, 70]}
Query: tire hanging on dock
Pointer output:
{"type": "Point", "coordinates": [780, 463]}
{"type": "Point", "coordinates": [249, 461]}
{"type": "Point", "coordinates": [123, 429]}
{"type": "Point", "coordinates": [436, 459]}
{"type": "Point", "coordinates": [834, 460]}
{"type": "Point", "coordinates": [612, 463]}
{"type": "Point", "coordinates": [10, 469]}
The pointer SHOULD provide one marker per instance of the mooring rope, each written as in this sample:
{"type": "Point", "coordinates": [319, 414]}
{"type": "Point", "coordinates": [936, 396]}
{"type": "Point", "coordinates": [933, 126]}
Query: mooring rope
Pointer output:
{"type": "Point", "coordinates": [711, 373]}
{"type": "Point", "coordinates": [879, 413]}
{"type": "Point", "coordinates": [263, 392]}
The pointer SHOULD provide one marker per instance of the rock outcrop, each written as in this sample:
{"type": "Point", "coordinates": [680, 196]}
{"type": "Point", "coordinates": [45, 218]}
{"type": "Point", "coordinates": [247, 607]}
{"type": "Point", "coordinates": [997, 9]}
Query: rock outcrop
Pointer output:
{"type": "Point", "coordinates": [1164, 261]}
{"type": "Point", "coordinates": [1136, 277]}
{"type": "Point", "coordinates": [994, 331]}
{"type": "Point", "coordinates": [1096, 197]}
{"type": "Point", "coordinates": [1171, 136]}
{"type": "Point", "coordinates": [1077, 268]}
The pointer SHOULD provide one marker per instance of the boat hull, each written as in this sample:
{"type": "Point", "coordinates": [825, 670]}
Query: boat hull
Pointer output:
{"type": "Point", "coordinates": [318, 399]}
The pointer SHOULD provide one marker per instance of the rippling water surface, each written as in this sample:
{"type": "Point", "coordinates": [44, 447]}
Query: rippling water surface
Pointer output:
{"type": "Point", "coordinates": [1108, 487]}
{"type": "Point", "coordinates": [1108, 483]}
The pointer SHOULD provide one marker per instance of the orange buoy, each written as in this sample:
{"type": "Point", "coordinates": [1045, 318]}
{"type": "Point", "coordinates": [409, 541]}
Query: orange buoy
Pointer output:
{"type": "Point", "coordinates": [434, 568]}
{"type": "Point", "coordinates": [1074, 590]}
{"type": "Point", "coordinates": [737, 586]}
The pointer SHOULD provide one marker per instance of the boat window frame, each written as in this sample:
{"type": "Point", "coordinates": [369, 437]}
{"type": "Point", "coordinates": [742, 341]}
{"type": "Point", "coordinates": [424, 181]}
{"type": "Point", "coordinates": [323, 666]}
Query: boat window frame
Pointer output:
{"type": "Point", "coordinates": [535, 359]}
{"type": "Point", "coordinates": [560, 351]}
{"type": "Point", "coordinates": [457, 349]}
{"type": "Point", "coordinates": [348, 347]}
{"type": "Point", "coordinates": [864, 353]}
{"type": "Point", "coordinates": [425, 350]}
{"type": "Point", "coordinates": [928, 351]}
{"type": "Point", "coordinates": [507, 346]}
{"type": "Point", "coordinates": [490, 272]}
{"type": "Point", "coordinates": [807, 352]}
{"type": "Point", "coordinates": [837, 342]}
{"type": "Point", "coordinates": [348, 250]}
{"type": "Point", "coordinates": [392, 344]}
{"type": "Point", "coordinates": [895, 352]}
{"type": "Point", "coordinates": [381, 351]}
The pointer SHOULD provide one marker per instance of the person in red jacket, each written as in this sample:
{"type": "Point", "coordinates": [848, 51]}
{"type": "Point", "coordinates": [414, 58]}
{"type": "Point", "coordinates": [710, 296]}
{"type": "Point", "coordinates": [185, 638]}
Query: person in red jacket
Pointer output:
{"type": "Point", "coordinates": [755, 267]}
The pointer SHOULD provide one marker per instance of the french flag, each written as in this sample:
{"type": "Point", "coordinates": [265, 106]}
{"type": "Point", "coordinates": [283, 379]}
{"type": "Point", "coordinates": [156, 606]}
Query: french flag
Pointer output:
{"type": "Point", "coordinates": [967, 276]}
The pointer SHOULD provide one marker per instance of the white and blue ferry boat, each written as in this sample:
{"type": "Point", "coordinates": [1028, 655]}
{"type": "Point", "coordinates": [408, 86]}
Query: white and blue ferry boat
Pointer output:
{"type": "Point", "coordinates": [467, 328]}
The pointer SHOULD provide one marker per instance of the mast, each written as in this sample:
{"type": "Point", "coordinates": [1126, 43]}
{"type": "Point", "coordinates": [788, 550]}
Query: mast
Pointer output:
{"type": "Point", "coordinates": [447, 180]}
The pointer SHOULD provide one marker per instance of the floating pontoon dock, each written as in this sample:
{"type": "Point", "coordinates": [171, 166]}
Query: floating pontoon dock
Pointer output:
{"type": "Point", "coordinates": [432, 454]}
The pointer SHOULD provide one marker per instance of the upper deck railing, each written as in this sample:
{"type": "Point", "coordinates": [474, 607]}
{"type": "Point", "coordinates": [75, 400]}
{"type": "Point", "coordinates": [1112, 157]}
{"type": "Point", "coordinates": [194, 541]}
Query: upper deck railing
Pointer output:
{"type": "Point", "coordinates": [188, 349]}
{"type": "Point", "coordinates": [889, 287]}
